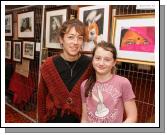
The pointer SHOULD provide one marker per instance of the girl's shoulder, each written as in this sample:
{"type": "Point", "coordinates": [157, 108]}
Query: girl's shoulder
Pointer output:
{"type": "Point", "coordinates": [121, 79]}
{"type": "Point", "coordinates": [83, 83]}
{"type": "Point", "coordinates": [82, 88]}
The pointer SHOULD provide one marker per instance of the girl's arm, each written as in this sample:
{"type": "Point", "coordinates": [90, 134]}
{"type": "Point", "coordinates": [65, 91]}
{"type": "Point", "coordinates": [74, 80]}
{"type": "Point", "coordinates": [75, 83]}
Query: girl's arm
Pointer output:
{"type": "Point", "coordinates": [131, 111]}
{"type": "Point", "coordinates": [84, 113]}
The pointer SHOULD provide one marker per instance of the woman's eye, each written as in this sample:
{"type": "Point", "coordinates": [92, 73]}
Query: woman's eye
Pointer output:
{"type": "Point", "coordinates": [80, 38]}
{"type": "Point", "coordinates": [146, 42]}
{"type": "Point", "coordinates": [70, 37]}
{"type": "Point", "coordinates": [130, 43]}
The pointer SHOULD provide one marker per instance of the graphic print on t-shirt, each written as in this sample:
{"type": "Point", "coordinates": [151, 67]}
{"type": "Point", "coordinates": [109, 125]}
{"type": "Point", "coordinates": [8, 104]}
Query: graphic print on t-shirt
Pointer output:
{"type": "Point", "coordinates": [103, 105]}
{"type": "Point", "coordinates": [101, 109]}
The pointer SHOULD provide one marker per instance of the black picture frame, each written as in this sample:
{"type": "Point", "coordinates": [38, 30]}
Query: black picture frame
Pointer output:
{"type": "Point", "coordinates": [54, 20]}
{"type": "Point", "coordinates": [9, 25]}
{"type": "Point", "coordinates": [8, 49]}
{"type": "Point", "coordinates": [17, 51]}
{"type": "Point", "coordinates": [29, 49]}
{"type": "Point", "coordinates": [26, 24]}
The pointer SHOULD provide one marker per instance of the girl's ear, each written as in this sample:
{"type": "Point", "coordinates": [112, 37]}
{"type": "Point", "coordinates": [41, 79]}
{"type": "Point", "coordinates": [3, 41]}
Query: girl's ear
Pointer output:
{"type": "Point", "coordinates": [115, 62]}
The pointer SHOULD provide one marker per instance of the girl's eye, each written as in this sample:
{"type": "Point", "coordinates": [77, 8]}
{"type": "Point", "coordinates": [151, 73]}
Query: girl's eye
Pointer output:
{"type": "Point", "coordinates": [97, 58]}
{"type": "Point", "coordinates": [107, 59]}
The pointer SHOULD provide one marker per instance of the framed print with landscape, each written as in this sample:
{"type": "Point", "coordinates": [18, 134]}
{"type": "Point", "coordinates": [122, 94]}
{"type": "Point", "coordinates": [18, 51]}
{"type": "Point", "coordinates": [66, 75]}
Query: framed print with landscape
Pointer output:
{"type": "Point", "coordinates": [8, 49]}
{"type": "Point", "coordinates": [8, 25]}
{"type": "Point", "coordinates": [54, 20]}
{"type": "Point", "coordinates": [26, 25]}
{"type": "Point", "coordinates": [17, 51]}
{"type": "Point", "coordinates": [96, 19]}
{"type": "Point", "coordinates": [134, 37]}
{"type": "Point", "coordinates": [28, 49]}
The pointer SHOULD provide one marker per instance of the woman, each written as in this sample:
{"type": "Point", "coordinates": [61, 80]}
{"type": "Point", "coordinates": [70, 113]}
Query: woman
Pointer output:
{"type": "Point", "coordinates": [59, 99]}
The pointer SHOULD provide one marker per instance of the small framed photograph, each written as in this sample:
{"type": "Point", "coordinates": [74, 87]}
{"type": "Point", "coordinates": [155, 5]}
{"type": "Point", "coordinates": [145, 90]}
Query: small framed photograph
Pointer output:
{"type": "Point", "coordinates": [54, 20]}
{"type": "Point", "coordinates": [28, 49]}
{"type": "Point", "coordinates": [8, 25]}
{"type": "Point", "coordinates": [134, 37]}
{"type": "Point", "coordinates": [8, 49]}
{"type": "Point", "coordinates": [97, 20]}
{"type": "Point", "coordinates": [26, 25]}
{"type": "Point", "coordinates": [17, 51]}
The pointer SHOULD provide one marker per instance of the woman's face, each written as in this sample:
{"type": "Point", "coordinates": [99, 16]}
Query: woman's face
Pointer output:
{"type": "Point", "coordinates": [72, 42]}
{"type": "Point", "coordinates": [133, 38]}
{"type": "Point", "coordinates": [103, 61]}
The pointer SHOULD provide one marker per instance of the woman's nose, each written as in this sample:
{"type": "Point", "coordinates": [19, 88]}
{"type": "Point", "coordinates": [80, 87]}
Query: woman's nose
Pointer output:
{"type": "Point", "coordinates": [76, 40]}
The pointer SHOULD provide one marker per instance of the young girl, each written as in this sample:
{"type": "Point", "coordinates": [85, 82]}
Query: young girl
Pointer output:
{"type": "Point", "coordinates": [106, 95]}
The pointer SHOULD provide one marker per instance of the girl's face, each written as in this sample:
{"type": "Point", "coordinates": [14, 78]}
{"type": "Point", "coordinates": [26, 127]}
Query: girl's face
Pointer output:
{"type": "Point", "coordinates": [72, 43]}
{"type": "Point", "coordinates": [103, 61]}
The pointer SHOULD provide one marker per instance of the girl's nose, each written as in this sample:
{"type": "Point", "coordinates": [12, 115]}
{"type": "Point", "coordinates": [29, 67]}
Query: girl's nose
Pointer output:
{"type": "Point", "coordinates": [101, 62]}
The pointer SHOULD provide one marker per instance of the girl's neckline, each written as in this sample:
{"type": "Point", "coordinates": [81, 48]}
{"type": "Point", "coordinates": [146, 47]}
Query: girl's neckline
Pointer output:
{"type": "Point", "coordinates": [106, 81]}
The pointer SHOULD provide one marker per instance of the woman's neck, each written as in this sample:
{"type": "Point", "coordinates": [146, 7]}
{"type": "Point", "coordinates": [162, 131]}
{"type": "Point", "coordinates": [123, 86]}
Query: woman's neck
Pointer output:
{"type": "Point", "coordinates": [70, 58]}
{"type": "Point", "coordinates": [102, 77]}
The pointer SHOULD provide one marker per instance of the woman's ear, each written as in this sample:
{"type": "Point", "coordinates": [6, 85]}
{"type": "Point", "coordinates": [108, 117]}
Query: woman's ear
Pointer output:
{"type": "Point", "coordinates": [60, 40]}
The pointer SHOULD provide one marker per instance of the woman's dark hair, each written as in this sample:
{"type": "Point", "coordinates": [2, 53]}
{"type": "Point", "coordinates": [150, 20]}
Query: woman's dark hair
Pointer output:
{"type": "Point", "coordinates": [92, 79]}
{"type": "Point", "coordinates": [67, 25]}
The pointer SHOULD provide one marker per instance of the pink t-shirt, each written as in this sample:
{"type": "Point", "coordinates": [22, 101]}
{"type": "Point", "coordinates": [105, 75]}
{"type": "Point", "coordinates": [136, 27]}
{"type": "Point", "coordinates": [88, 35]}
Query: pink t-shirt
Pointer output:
{"type": "Point", "coordinates": [106, 105]}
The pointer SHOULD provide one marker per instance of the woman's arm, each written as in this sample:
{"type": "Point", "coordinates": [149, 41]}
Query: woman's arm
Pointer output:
{"type": "Point", "coordinates": [84, 113]}
{"type": "Point", "coordinates": [131, 111]}
{"type": "Point", "coordinates": [41, 101]}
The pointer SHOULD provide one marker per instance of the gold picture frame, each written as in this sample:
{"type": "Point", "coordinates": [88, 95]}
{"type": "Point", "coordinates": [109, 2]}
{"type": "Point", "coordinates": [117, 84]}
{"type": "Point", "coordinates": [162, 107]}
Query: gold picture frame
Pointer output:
{"type": "Point", "coordinates": [135, 53]}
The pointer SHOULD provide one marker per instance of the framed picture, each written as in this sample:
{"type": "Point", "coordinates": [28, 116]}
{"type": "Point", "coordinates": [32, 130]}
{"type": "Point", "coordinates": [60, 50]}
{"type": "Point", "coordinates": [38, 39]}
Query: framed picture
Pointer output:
{"type": "Point", "coordinates": [54, 20]}
{"type": "Point", "coordinates": [8, 49]}
{"type": "Point", "coordinates": [134, 37]}
{"type": "Point", "coordinates": [8, 25]}
{"type": "Point", "coordinates": [28, 49]}
{"type": "Point", "coordinates": [17, 51]}
{"type": "Point", "coordinates": [44, 53]}
{"type": "Point", "coordinates": [96, 19]}
{"type": "Point", "coordinates": [26, 25]}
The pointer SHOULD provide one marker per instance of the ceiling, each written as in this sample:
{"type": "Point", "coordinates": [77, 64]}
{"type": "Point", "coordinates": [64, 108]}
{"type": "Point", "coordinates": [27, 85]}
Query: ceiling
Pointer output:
{"type": "Point", "coordinates": [8, 7]}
